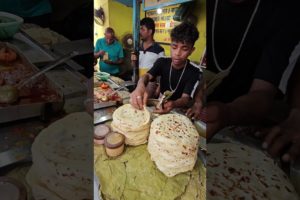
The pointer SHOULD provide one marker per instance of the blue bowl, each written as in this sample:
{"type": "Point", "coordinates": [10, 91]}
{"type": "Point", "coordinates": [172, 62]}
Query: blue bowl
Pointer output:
{"type": "Point", "coordinates": [9, 25]}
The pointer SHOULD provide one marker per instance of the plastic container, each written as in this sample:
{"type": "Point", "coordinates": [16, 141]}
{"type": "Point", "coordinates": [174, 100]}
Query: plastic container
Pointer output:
{"type": "Point", "coordinates": [9, 25]}
{"type": "Point", "coordinates": [100, 131]}
{"type": "Point", "coordinates": [103, 76]}
{"type": "Point", "coordinates": [11, 188]}
{"type": "Point", "coordinates": [114, 144]}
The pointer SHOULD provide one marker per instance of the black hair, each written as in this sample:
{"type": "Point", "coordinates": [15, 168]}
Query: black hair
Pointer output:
{"type": "Point", "coordinates": [149, 23]}
{"type": "Point", "coordinates": [185, 33]}
{"type": "Point", "coordinates": [110, 30]}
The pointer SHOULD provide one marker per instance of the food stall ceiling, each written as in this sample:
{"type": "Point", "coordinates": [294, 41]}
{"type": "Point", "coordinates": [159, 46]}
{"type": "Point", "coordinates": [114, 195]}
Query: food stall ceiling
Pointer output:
{"type": "Point", "coordinates": [126, 2]}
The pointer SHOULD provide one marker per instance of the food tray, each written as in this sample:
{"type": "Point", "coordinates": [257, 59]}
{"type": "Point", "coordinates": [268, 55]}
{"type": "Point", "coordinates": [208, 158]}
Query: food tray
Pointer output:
{"type": "Point", "coordinates": [98, 103]}
{"type": "Point", "coordinates": [31, 107]}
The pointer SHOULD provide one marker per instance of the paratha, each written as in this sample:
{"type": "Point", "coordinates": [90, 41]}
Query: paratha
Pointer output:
{"type": "Point", "coordinates": [132, 123]}
{"type": "Point", "coordinates": [173, 144]}
{"type": "Point", "coordinates": [60, 166]}
{"type": "Point", "coordinates": [131, 119]}
{"type": "Point", "coordinates": [240, 172]}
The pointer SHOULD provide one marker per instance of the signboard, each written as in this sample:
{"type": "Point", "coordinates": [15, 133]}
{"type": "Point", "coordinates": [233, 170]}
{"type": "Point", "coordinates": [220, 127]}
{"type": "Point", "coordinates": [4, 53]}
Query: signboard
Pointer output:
{"type": "Point", "coordinates": [164, 23]}
{"type": "Point", "coordinates": [154, 4]}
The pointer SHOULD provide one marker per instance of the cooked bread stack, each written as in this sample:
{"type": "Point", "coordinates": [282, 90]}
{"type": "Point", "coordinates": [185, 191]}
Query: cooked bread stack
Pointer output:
{"type": "Point", "coordinates": [132, 123]}
{"type": "Point", "coordinates": [173, 144]}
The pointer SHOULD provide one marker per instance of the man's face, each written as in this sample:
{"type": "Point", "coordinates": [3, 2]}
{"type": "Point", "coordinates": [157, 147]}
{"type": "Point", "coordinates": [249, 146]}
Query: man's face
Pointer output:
{"type": "Point", "coordinates": [180, 52]}
{"type": "Point", "coordinates": [109, 38]}
{"type": "Point", "coordinates": [145, 32]}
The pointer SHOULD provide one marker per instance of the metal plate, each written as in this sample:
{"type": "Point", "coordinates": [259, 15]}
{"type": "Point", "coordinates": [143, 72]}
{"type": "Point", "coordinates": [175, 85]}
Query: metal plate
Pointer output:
{"type": "Point", "coordinates": [102, 105]}
{"type": "Point", "coordinates": [103, 115]}
{"type": "Point", "coordinates": [16, 140]}
{"type": "Point", "coordinates": [26, 110]}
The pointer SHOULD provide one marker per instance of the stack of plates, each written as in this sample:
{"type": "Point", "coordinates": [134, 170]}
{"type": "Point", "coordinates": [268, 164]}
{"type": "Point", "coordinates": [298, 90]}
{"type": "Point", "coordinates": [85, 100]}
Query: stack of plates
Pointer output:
{"type": "Point", "coordinates": [132, 123]}
{"type": "Point", "coordinates": [173, 144]}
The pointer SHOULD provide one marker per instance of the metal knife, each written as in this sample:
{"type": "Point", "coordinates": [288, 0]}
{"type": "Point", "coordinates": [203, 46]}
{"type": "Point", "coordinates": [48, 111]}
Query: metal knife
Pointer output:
{"type": "Point", "coordinates": [14, 155]}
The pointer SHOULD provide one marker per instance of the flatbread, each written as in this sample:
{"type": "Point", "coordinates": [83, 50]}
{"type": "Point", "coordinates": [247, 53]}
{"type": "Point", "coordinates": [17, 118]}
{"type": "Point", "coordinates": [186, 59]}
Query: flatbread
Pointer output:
{"type": "Point", "coordinates": [173, 144]}
{"type": "Point", "coordinates": [130, 119]}
{"type": "Point", "coordinates": [240, 172]}
{"type": "Point", "coordinates": [133, 138]}
{"type": "Point", "coordinates": [59, 164]}
{"type": "Point", "coordinates": [132, 123]}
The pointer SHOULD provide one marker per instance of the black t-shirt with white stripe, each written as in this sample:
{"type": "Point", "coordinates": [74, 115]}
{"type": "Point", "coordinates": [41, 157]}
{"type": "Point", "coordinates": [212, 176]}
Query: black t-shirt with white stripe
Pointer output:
{"type": "Point", "coordinates": [189, 80]}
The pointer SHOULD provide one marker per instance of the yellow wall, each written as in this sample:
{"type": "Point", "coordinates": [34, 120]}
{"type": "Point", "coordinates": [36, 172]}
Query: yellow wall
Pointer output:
{"type": "Point", "coordinates": [199, 10]}
{"type": "Point", "coordinates": [99, 30]}
{"type": "Point", "coordinates": [120, 18]}
{"type": "Point", "coordinates": [117, 16]}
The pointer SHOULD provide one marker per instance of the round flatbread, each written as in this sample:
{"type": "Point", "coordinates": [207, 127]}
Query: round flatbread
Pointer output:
{"type": "Point", "coordinates": [60, 165]}
{"type": "Point", "coordinates": [173, 144]}
{"type": "Point", "coordinates": [239, 172]}
{"type": "Point", "coordinates": [132, 123]}
{"type": "Point", "coordinates": [131, 119]}
{"type": "Point", "coordinates": [132, 138]}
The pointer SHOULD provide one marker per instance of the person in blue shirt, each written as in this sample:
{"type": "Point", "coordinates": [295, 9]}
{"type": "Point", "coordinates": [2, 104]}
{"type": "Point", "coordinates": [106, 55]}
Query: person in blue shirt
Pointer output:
{"type": "Point", "coordinates": [32, 11]}
{"type": "Point", "coordinates": [110, 52]}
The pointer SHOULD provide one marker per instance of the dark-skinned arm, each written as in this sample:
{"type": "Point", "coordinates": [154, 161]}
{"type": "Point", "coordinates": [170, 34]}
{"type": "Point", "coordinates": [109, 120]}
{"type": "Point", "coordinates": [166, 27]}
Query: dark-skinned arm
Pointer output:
{"type": "Point", "coordinates": [169, 105]}
{"type": "Point", "coordinates": [195, 110]}
{"type": "Point", "coordinates": [139, 97]}
{"type": "Point", "coordinates": [248, 109]}
{"type": "Point", "coordinates": [284, 139]}
{"type": "Point", "coordinates": [118, 62]}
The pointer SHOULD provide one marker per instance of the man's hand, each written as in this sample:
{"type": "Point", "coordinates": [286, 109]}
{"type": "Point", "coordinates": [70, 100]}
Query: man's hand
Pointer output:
{"type": "Point", "coordinates": [133, 57]}
{"type": "Point", "coordinates": [108, 62]}
{"type": "Point", "coordinates": [139, 97]}
{"type": "Point", "coordinates": [194, 111]}
{"type": "Point", "coordinates": [166, 108]}
{"type": "Point", "coordinates": [98, 54]}
{"type": "Point", "coordinates": [215, 118]}
{"type": "Point", "coordinates": [284, 139]}
{"type": "Point", "coordinates": [101, 53]}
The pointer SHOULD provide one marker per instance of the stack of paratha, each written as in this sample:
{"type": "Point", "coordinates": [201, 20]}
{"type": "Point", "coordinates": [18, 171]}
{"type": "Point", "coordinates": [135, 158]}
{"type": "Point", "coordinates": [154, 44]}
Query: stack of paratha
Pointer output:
{"type": "Point", "coordinates": [173, 144]}
{"type": "Point", "coordinates": [132, 123]}
{"type": "Point", "coordinates": [61, 170]}
{"type": "Point", "coordinates": [240, 172]}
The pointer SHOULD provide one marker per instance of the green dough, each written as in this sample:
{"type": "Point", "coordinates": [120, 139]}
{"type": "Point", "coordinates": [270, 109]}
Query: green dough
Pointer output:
{"type": "Point", "coordinates": [133, 176]}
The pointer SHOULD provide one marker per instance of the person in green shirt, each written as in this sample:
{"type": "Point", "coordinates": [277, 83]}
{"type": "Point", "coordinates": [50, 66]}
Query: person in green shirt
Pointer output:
{"type": "Point", "coordinates": [110, 52]}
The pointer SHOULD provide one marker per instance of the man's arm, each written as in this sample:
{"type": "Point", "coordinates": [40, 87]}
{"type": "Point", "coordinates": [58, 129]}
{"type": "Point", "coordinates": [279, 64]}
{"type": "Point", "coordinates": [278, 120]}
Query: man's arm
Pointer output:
{"type": "Point", "coordinates": [254, 106]}
{"type": "Point", "coordinates": [284, 139]}
{"type": "Point", "coordinates": [248, 109]}
{"type": "Point", "coordinates": [139, 97]}
{"type": "Point", "coordinates": [195, 110]}
{"type": "Point", "coordinates": [169, 105]}
{"type": "Point", "coordinates": [98, 50]}
{"type": "Point", "coordinates": [118, 62]}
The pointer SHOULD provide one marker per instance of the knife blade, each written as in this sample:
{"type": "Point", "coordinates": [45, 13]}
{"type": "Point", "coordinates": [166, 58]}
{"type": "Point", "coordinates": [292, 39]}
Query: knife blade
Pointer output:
{"type": "Point", "coordinates": [14, 155]}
